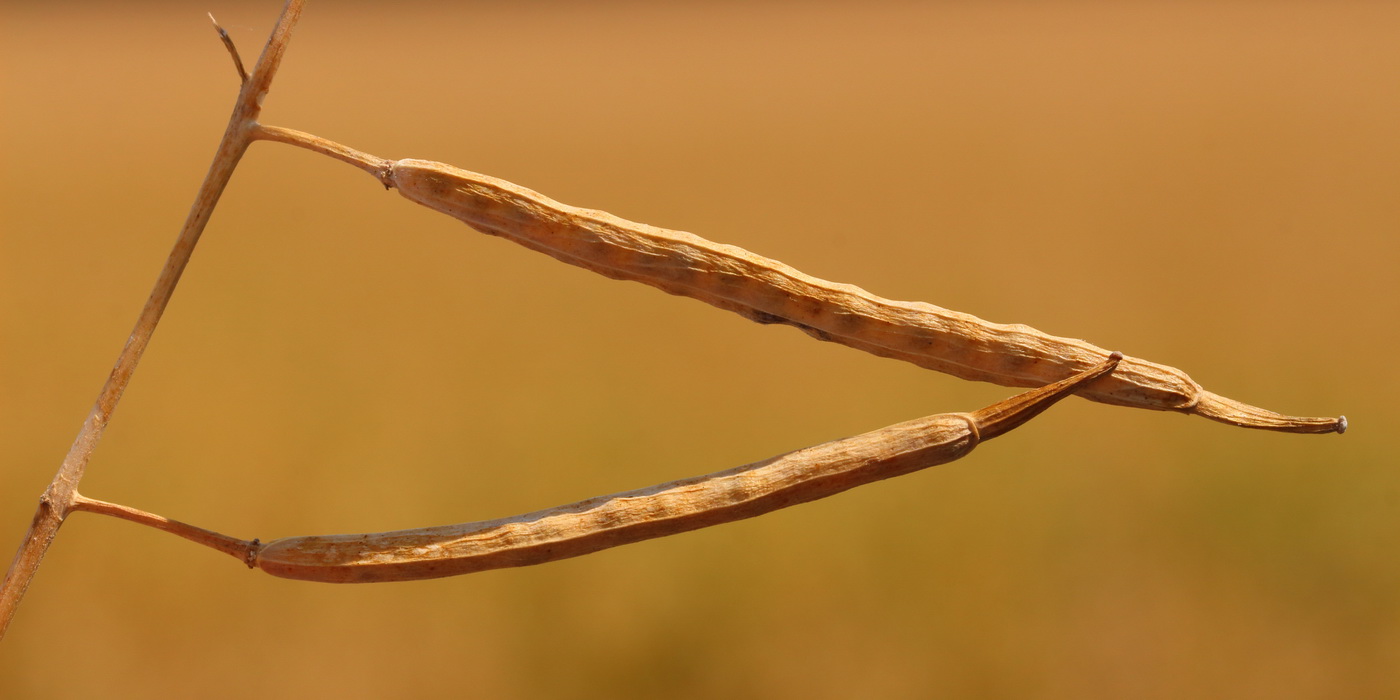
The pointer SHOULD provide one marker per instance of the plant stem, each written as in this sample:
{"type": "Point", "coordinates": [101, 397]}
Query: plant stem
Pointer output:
{"type": "Point", "coordinates": [60, 497]}
{"type": "Point", "coordinates": [241, 550]}
{"type": "Point", "coordinates": [372, 164]}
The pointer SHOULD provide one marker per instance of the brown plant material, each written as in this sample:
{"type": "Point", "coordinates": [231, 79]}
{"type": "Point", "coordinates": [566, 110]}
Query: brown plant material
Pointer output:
{"type": "Point", "coordinates": [241, 550]}
{"type": "Point", "coordinates": [62, 494]}
{"type": "Point", "coordinates": [665, 509]}
{"type": "Point", "coordinates": [680, 263]}
{"type": "Point", "coordinates": [631, 516]}
{"type": "Point", "coordinates": [768, 291]}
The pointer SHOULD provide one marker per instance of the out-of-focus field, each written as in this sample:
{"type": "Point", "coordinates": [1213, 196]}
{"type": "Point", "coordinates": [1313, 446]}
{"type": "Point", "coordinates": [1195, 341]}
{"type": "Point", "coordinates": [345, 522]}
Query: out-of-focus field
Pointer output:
{"type": "Point", "coordinates": [1207, 185]}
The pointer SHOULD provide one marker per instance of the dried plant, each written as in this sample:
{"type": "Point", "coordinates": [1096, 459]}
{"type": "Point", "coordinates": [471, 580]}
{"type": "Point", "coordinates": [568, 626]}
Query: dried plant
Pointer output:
{"type": "Point", "coordinates": [730, 278]}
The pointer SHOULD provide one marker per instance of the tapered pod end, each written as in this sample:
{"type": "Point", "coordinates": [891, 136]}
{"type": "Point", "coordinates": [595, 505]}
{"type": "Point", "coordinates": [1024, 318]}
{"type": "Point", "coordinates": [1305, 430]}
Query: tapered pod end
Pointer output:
{"type": "Point", "coordinates": [1005, 415]}
{"type": "Point", "coordinates": [1219, 408]}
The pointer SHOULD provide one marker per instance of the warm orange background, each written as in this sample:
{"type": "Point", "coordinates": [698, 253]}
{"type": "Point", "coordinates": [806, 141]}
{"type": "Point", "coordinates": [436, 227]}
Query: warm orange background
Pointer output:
{"type": "Point", "coordinates": [1208, 185]}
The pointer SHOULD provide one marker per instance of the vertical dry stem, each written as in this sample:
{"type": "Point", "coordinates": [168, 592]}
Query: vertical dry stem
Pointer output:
{"type": "Point", "coordinates": [58, 500]}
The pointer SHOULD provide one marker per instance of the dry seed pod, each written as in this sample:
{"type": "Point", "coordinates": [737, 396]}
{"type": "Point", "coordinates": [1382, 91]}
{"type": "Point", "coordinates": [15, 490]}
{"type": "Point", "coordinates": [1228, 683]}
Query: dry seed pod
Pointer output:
{"type": "Point", "coordinates": [769, 291]}
{"type": "Point", "coordinates": [665, 509]}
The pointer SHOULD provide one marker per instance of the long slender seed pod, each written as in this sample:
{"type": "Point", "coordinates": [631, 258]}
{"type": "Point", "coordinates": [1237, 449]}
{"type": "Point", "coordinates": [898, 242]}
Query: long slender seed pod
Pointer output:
{"type": "Point", "coordinates": [769, 291]}
{"type": "Point", "coordinates": [666, 509]}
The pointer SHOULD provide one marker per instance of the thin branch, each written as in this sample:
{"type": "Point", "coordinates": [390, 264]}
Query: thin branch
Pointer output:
{"type": "Point", "coordinates": [374, 165]}
{"type": "Point", "coordinates": [241, 550]}
{"type": "Point", "coordinates": [58, 500]}
{"type": "Point", "coordinates": [232, 50]}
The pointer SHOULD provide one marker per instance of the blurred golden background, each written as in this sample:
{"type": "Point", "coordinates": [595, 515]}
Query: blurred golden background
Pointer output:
{"type": "Point", "coordinates": [1208, 185]}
